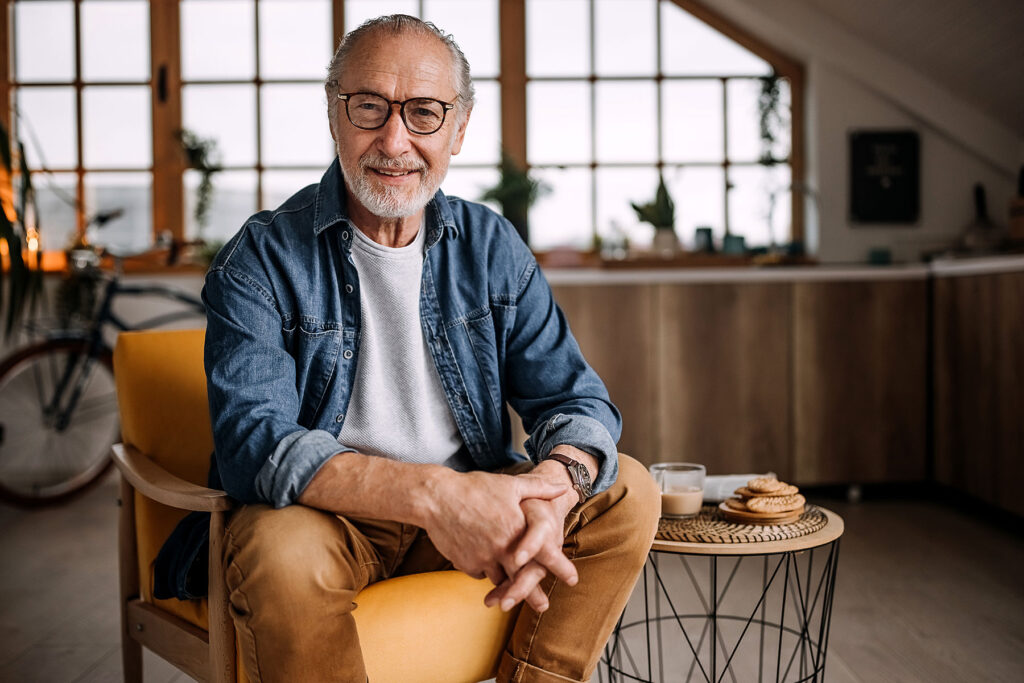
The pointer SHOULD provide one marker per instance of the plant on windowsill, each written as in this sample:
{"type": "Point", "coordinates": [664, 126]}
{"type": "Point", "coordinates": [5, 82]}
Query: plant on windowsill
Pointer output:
{"type": "Point", "coordinates": [771, 122]}
{"type": "Point", "coordinates": [201, 155]}
{"type": "Point", "coordinates": [516, 191]}
{"type": "Point", "coordinates": [19, 238]}
{"type": "Point", "coordinates": [661, 213]}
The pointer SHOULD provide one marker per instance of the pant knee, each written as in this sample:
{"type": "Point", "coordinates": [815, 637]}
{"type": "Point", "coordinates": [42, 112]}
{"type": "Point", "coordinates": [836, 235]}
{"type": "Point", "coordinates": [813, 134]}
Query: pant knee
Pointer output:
{"type": "Point", "coordinates": [294, 550]}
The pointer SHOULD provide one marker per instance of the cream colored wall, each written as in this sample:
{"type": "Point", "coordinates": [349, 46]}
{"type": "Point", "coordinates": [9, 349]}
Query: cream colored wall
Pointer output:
{"type": "Point", "coordinates": [852, 85]}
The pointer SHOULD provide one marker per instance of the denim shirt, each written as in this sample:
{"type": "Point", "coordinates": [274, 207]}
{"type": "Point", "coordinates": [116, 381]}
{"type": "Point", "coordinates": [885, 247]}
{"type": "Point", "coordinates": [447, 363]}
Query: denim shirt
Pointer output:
{"type": "Point", "coordinates": [283, 339]}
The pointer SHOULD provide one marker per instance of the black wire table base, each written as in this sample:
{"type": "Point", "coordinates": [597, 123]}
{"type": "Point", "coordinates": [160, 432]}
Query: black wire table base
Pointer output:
{"type": "Point", "coordinates": [737, 618]}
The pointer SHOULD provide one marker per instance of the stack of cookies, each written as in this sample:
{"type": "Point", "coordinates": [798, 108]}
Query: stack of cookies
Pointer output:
{"type": "Point", "coordinates": [764, 500]}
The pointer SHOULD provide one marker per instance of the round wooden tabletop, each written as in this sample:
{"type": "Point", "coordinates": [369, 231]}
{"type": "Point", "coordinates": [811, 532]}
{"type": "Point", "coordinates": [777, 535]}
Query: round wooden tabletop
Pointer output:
{"type": "Point", "coordinates": [828, 533]}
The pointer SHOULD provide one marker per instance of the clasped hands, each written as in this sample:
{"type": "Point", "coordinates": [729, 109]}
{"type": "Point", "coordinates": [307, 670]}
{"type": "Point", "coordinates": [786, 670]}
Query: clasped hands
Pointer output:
{"type": "Point", "coordinates": [507, 528]}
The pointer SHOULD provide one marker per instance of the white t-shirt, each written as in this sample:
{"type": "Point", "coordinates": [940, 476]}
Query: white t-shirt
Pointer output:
{"type": "Point", "coordinates": [398, 408]}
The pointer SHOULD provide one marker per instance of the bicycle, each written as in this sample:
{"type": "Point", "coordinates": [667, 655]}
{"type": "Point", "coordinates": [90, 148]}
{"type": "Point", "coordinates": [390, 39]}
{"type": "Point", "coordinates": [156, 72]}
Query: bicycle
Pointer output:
{"type": "Point", "coordinates": [58, 406]}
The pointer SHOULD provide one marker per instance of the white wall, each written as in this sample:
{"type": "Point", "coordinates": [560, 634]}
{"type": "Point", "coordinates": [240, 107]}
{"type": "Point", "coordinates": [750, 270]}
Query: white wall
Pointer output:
{"type": "Point", "coordinates": [851, 86]}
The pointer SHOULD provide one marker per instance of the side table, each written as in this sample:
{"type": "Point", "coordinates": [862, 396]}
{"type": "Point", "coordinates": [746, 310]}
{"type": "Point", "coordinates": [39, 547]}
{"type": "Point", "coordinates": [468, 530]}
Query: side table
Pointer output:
{"type": "Point", "coordinates": [716, 611]}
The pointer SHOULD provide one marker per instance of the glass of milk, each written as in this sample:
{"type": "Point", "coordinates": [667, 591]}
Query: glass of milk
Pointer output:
{"type": "Point", "coordinates": [682, 488]}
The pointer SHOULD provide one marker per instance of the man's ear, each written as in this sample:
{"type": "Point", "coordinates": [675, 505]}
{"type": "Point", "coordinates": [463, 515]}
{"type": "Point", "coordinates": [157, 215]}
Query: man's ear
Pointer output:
{"type": "Point", "coordinates": [460, 134]}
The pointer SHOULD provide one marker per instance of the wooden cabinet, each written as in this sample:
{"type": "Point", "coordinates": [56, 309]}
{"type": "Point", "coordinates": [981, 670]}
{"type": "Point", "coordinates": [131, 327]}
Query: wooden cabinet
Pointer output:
{"type": "Point", "coordinates": [860, 378]}
{"type": "Point", "coordinates": [978, 400]}
{"type": "Point", "coordinates": [724, 376]}
{"type": "Point", "coordinates": [616, 330]}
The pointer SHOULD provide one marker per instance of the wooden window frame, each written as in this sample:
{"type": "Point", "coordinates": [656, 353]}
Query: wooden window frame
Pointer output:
{"type": "Point", "coordinates": [168, 165]}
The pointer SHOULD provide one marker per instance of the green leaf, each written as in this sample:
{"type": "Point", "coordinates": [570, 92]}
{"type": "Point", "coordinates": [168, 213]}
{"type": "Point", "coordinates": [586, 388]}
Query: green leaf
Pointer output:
{"type": "Point", "coordinates": [661, 213]}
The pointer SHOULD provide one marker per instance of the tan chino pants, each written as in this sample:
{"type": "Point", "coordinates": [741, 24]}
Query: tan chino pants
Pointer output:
{"type": "Point", "coordinates": [291, 568]}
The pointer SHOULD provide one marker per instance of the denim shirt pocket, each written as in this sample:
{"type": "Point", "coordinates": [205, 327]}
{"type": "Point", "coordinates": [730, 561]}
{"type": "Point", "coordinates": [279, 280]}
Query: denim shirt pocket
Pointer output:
{"type": "Point", "coordinates": [487, 345]}
{"type": "Point", "coordinates": [314, 344]}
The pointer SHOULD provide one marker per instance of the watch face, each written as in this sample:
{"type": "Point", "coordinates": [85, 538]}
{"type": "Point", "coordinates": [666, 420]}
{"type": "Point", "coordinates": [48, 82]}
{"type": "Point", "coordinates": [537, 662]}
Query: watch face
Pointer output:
{"type": "Point", "coordinates": [584, 478]}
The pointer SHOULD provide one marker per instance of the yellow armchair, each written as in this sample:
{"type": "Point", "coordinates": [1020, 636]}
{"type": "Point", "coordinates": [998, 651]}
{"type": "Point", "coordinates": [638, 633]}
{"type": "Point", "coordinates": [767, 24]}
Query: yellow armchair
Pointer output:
{"type": "Point", "coordinates": [423, 628]}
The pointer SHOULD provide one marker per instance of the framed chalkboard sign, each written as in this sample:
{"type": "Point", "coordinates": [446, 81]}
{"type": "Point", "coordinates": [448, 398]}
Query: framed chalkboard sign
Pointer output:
{"type": "Point", "coordinates": [885, 176]}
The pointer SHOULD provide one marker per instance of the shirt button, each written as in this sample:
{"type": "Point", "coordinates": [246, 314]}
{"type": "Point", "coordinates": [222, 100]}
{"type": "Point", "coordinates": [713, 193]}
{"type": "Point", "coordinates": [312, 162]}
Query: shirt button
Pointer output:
{"type": "Point", "coordinates": [344, 235]}
{"type": "Point", "coordinates": [348, 289]}
{"type": "Point", "coordinates": [339, 417]}
{"type": "Point", "coordinates": [347, 354]}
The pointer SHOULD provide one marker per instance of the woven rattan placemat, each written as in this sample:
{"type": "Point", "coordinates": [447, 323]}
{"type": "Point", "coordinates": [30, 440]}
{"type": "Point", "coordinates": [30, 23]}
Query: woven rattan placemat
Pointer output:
{"type": "Point", "coordinates": [710, 526]}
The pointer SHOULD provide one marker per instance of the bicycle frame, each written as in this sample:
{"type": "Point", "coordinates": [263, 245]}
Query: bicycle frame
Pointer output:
{"type": "Point", "coordinates": [96, 346]}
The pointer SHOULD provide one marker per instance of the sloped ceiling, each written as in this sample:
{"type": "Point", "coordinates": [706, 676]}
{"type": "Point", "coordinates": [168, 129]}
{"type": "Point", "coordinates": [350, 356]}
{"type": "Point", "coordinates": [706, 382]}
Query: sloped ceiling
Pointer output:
{"type": "Point", "coordinates": [975, 48]}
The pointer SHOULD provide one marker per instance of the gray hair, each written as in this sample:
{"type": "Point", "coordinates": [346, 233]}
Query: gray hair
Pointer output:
{"type": "Point", "coordinates": [400, 24]}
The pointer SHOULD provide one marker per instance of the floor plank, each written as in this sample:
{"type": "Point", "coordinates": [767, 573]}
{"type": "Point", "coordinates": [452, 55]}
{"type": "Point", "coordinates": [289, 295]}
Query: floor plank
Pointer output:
{"type": "Point", "coordinates": [925, 592]}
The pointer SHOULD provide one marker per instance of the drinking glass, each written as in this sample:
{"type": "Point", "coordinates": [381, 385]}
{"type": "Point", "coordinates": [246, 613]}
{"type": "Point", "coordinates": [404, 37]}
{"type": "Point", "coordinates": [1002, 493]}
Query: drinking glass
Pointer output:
{"type": "Point", "coordinates": [682, 488]}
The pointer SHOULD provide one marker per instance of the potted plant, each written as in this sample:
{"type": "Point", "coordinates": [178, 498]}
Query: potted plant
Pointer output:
{"type": "Point", "coordinates": [201, 155]}
{"type": "Point", "coordinates": [661, 213]}
{"type": "Point", "coordinates": [516, 191]}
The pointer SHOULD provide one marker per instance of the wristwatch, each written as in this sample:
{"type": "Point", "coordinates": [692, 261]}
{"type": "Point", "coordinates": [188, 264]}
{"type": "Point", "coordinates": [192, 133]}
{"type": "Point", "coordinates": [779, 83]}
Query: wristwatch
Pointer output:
{"type": "Point", "coordinates": [579, 474]}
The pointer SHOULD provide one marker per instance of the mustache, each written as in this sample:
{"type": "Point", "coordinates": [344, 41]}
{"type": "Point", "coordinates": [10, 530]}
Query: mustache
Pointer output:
{"type": "Point", "coordinates": [385, 163]}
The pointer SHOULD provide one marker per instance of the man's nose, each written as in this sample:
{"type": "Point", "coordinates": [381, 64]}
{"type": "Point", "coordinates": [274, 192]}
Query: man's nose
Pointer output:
{"type": "Point", "coordinates": [394, 136]}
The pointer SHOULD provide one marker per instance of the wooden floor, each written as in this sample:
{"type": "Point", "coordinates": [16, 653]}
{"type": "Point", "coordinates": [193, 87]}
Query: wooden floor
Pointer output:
{"type": "Point", "coordinates": [924, 593]}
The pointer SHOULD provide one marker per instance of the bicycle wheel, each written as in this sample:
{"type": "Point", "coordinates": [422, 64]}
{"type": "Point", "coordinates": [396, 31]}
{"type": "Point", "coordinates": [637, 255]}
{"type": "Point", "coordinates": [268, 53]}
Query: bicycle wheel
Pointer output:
{"type": "Point", "coordinates": [48, 452]}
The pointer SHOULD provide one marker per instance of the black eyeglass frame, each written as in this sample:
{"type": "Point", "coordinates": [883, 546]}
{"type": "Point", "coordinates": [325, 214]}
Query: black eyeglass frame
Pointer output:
{"type": "Point", "coordinates": [446, 107]}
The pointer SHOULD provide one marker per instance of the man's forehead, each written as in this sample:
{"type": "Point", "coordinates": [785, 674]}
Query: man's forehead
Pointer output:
{"type": "Point", "coordinates": [407, 60]}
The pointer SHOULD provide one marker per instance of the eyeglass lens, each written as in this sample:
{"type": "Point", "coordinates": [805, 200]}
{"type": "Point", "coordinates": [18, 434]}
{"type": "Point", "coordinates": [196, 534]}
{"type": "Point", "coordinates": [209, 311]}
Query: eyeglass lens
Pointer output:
{"type": "Point", "coordinates": [422, 115]}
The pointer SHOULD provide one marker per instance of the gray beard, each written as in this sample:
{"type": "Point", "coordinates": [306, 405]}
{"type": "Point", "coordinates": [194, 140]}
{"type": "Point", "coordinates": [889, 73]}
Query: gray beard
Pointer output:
{"type": "Point", "coordinates": [388, 202]}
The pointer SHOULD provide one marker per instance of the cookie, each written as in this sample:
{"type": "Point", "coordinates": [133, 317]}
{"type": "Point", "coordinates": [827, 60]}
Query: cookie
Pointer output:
{"type": "Point", "coordinates": [776, 503]}
{"type": "Point", "coordinates": [736, 504]}
{"type": "Point", "coordinates": [786, 490]}
{"type": "Point", "coordinates": [764, 485]}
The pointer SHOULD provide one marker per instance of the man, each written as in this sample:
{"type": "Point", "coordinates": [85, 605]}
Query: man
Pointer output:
{"type": "Point", "coordinates": [363, 340]}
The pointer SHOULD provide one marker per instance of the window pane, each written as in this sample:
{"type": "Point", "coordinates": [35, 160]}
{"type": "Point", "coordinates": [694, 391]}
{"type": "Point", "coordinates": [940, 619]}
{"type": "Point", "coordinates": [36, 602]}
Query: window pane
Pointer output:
{"type": "Point", "coordinates": [558, 122]}
{"type": "Point", "coordinates": [280, 185]}
{"type": "Point", "coordinates": [115, 41]}
{"type": "Point", "coordinates": [744, 120]}
{"type": "Point", "coordinates": [295, 129]}
{"type": "Point", "coordinates": [699, 195]}
{"type": "Point", "coordinates": [626, 43]}
{"type": "Point", "coordinates": [44, 41]}
{"type": "Point", "coordinates": [55, 197]}
{"type": "Point", "coordinates": [563, 217]}
{"type": "Point", "coordinates": [358, 11]}
{"type": "Point", "coordinates": [474, 24]}
{"type": "Point", "coordinates": [130, 192]}
{"type": "Point", "coordinates": [759, 204]}
{"type": "Point", "coordinates": [470, 183]}
{"type": "Point", "coordinates": [218, 39]}
{"type": "Point", "coordinates": [117, 127]}
{"type": "Point", "coordinates": [295, 38]}
{"type": "Point", "coordinates": [627, 122]}
{"type": "Point", "coordinates": [616, 189]}
{"type": "Point", "coordinates": [691, 47]}
{"type": "Point", "coordinates": [692, 120]}
{"type": "Point", "coordinates": [227, 114]}
{"type": "Point", "coordinates": [232, 202]}
{"type": "Point", "coordinates": [47, 120]}
{"type": "Point", "coordinates": [557, 38]}
{"type": "Point", "coordinates": [482, 144]}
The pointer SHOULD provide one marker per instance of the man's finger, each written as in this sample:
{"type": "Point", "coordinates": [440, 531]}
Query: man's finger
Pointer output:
{"type": "Point", "coordinates": [537, 600]}
{"type": "Point", "coordinates": [522, 585]}
{"type": "Point", "coordinates": [529, 545]}
{"type": "Point", "coordinates": [558, 564]}
{"type": "Point", "coordinates": [536, 487]}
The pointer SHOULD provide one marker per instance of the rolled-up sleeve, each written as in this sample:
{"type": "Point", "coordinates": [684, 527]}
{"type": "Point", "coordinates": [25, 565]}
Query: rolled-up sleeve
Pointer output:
{"type": "Point", "coordinates": [558, 395]}
{"type": "Point", "coordinates": [263, 454]}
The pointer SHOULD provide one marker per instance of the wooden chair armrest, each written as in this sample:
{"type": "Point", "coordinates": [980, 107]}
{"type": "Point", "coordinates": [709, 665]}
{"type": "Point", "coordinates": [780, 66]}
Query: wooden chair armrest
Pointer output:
{"type": "Point", "coordinates": [156, 483]}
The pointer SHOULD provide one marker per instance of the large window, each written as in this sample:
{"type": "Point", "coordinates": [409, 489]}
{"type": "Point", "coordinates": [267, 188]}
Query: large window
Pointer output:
{"type": "Point", "coordinates": [596, 97]}
{"type": "Point", "coordinates": [620, 90]}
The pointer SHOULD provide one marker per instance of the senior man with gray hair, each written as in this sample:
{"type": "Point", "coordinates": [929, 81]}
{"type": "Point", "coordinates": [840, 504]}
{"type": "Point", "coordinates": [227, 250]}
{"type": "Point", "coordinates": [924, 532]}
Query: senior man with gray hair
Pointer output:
{"type": "Point", "coordinates": [363, 341]}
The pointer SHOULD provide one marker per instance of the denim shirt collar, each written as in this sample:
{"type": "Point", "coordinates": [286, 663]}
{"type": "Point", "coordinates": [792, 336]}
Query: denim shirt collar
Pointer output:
{"type": "Point", "coordinates": [331, 209]}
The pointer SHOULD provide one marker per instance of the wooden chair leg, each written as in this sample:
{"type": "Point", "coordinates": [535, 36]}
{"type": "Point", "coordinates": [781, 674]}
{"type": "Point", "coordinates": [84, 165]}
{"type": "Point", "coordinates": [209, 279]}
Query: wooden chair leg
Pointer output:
{"type": "Point", "coordinates": [222, 629]}
{"type": "Point", "coordinates": [128, 570]}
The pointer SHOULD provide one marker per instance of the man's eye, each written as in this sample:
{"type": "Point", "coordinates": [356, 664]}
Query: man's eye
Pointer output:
{"type": "Point", "coordinates": [425, 113]}
{"type": "Point", "coordinates": [369, 106]}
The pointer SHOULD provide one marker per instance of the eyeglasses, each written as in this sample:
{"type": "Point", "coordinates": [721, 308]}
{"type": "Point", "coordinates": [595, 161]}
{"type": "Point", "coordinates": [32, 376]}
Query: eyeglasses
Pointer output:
{"type": "Point", "coordinates": [421, 115]}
